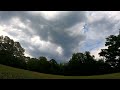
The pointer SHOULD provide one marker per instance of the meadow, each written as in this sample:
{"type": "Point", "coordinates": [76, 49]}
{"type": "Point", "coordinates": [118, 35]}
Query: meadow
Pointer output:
{"type": "Point", "coordinates": [7, 72]}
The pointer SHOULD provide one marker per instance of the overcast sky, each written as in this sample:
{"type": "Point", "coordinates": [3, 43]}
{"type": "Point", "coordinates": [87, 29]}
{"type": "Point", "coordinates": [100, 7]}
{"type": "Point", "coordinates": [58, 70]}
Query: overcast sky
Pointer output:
{"type": "Point", "coordinates": [59, 34]}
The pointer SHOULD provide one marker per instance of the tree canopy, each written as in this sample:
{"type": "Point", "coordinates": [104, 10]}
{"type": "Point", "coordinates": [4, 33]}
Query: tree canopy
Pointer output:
{"type": "Point", "coordinates": [8, 46]}
{"type": "Point", "coordinates": [112, 53]}
{"type": "Point", "coordinates": [12, 54]}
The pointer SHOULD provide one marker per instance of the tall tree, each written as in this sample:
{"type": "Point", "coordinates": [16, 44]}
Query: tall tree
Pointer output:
{"type": "Point", "coordinates": [54, 67]}
{"type": "Point", "coordinates": [8, 46]}
{"type": "Point", "coordinates": [43, 64]}
{"type": "Point", "coordinates": [32, 64]}
{"type": "Point", "coordinates": [89, 58]}
{"type": "Point", "coordinates": [80, 63]}
{"type": "Point", "coordinates": [11, 53]}
{"type": "Point", "coordinates": [112, 53]}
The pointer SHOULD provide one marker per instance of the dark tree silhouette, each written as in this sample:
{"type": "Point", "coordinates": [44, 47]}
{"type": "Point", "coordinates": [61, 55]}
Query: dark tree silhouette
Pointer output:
{"type": "Point", "coordinates": [44, 64]}
{"type": "Point", "coordinates": [11, 53]}
{"type": "Point", "coordinates": [80, 64]}
{"type": "Point", "coordinates": [112, 54]}
{"type": "Point", "coordinates": [32, 64]}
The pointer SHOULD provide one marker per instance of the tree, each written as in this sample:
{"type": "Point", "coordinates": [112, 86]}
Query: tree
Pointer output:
{"type": "Point", "coordinates": [43, 64]}
{"type": "Point", "coordinates": [77, 58]}
{"type": "Point", "coordinates": [32, 64]}
{"type": "Point", "coordinates": [75, 64]}
{"type": "Point", "coordinates": [11, 53]}
{"type": "Point", "coordinates": [102, 67]}
{"type": "Point", "coordinates": [54, 67]}
{"type": "Point", "coordinates": [89, 58]}
{"type": "Point", "coordinates": [8, 46]}
{"type": "Point", "coordinates": [80, 64]}
{"type": "Point", "coordinates": [112, 54]}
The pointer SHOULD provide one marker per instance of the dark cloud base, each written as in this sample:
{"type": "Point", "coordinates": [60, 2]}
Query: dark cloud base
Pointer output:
{"type": "Point", "coordinates": [54, 31]}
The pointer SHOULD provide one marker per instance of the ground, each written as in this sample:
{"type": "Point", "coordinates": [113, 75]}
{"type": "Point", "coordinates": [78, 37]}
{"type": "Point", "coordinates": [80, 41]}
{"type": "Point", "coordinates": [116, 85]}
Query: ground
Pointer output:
{"type": "Point", "coordinates": [7, 72]}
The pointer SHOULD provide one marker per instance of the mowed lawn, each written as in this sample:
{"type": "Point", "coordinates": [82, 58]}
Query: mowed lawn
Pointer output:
{"type": "Point", "coordinates": [7, 72]}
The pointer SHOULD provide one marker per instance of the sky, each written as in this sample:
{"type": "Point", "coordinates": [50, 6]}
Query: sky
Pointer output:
{"type": "Point", "coordinates": [59, 34]}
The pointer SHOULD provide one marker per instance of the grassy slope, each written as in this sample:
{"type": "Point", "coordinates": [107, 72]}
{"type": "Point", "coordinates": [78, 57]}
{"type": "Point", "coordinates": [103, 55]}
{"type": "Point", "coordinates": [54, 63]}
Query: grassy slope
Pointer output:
{"type": "Point", "coordinates": [7, 72]}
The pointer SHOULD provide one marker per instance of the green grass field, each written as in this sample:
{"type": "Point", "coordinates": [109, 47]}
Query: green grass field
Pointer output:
{"type": "Point", "coordinates": [7, 72]}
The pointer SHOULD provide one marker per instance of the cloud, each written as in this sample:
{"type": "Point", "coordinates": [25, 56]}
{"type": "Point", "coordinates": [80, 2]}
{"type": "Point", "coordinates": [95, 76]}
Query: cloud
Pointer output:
{"type": "Point", "coordinates": [52, 38]}
{"type": "Point", "coordinates": [100, 25]}
{"type": "Point", "coordinates": [63, 31]}
{"type": "Point", "coordinates": [56, 32]}
{"type": "Point", "coordinates": [97, 50]}
{"type": "Point", "coordinates": [59, 34]}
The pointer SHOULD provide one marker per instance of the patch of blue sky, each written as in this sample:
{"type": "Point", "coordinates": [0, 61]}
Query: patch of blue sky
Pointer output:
{"type": "Point", "coordinates": [90, 45]}
{"type": "Point", "coordinates": [85, 28]}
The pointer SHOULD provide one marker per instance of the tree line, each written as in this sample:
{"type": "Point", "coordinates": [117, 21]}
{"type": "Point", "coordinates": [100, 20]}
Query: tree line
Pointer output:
{"type": "Point", "coordinates": [12, 54]}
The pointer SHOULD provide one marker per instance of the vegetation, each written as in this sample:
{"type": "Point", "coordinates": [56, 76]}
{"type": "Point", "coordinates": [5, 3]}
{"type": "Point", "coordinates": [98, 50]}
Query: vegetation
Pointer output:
{"type": "Point", "coordinates": [12, 54]}
{"type": "Point", "coordinates": [7, 72]}
{"type": "Point", "coordinates": [112, 54]}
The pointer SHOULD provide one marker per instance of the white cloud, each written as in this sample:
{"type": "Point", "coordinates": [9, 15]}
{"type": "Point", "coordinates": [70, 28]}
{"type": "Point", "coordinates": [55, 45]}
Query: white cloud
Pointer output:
{"type": "Point", "coordinates": [17, 22]}
{"type": "Point", "coordinates": [50, 14]}
{"type": "Point", "coordinates": [58, 34]}
{"type": "Point", "coordinates": [96, 51]}
{"type": "Point", "coordinates": [59, 50]}
{"type": "Point", "coordinates": [75, 30]}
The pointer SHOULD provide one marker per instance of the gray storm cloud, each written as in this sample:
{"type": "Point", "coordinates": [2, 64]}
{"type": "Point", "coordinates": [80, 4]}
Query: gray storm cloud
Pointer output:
{"type": "Point", "coordinates": [42, 37]}
{"type": "Point", "coordinates": [53, 31]}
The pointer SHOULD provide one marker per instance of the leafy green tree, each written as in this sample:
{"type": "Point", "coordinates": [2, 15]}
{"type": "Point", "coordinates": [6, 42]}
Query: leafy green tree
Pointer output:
{"type": "Point", "coordinates": [43, 64]}
{"type": "Point", "coordinates": [11, 53]}
{"type": "Point", "coordinates": [89, 58]}
{"type": "Point", "coordinates": [102, 67]}
{"type": "Point", "coordinates": [80, 63]}
{"type": "Point", "coordinates": [54, 67]}
{"type": "Point", "coordinates": [8, 46]}
{"type": "Point", "coordinates": [32, 64]}
{"type": "Point", "coordinates": [112, 54]}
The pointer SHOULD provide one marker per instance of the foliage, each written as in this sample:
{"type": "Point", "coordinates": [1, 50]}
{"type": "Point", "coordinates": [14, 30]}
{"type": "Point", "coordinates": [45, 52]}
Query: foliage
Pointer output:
{"type": "Point", "coordinates": [7, 72]}
{"type": "Point", "coordinates": [12, 54]}
{"type": "Point", "coordinates": [112, 54]}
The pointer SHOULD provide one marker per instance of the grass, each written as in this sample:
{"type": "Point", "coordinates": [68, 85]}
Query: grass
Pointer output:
{"type": "Point", "coordinates": [7, 72]}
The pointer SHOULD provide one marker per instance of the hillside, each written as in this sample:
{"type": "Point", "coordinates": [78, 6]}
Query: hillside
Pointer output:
{"type": "Point", "coordinates": [7, 72]}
